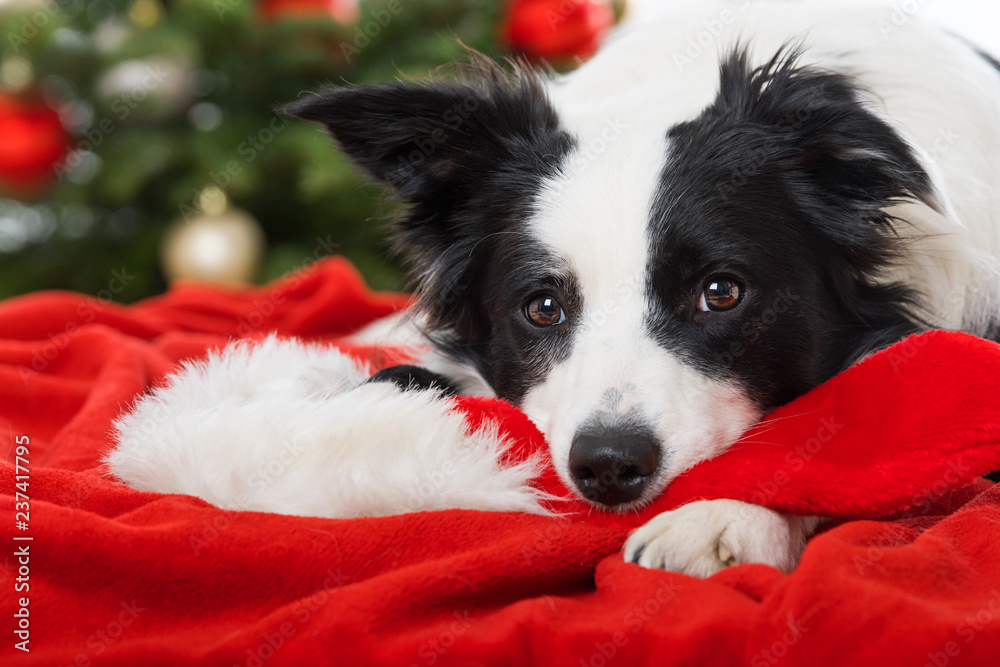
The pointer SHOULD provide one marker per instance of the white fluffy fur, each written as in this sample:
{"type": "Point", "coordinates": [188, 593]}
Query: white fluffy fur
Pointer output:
{"type": "Point", "coordinates": [284, 427]}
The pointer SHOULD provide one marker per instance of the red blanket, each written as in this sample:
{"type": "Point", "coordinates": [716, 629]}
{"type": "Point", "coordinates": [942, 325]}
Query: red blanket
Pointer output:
{"type": "Point", "coordinates": [96, 573]}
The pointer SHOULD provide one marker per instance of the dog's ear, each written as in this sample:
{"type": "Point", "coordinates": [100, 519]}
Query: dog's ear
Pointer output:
{"type": "Point", "coordinates": [826, 137]}
{"type": "Point", "coordinates": [465, 155]}
{"type": "Point", "coordinates": [416, 136]}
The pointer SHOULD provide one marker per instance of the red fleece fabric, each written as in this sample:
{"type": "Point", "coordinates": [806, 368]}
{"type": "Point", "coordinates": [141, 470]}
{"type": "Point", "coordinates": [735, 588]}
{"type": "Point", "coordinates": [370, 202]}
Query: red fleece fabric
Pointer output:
{"type": "Point", "coordinates": [113, 576]}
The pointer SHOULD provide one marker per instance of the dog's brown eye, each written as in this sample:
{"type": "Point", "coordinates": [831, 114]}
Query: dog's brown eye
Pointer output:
{"type": "Point", "coordinates": [721, 294]}
{"type": "Point", "coordinates": [544, 311]}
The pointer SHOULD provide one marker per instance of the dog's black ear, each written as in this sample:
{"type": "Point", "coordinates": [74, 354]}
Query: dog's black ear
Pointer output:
{"type": "Point", "coordinates": [416, 136]}
{"type": "Point", "coordinates": [827, 138]}
{"type": "Point", "coordinates": [465, 155]}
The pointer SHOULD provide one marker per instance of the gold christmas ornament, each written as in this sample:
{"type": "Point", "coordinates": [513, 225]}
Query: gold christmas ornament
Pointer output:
{"type": "Point", "coordinates": [145, 13]}
{"type": "Point", "coordinates": [219, 244]}
{"type": "Point", "coordinates": [16, 73]}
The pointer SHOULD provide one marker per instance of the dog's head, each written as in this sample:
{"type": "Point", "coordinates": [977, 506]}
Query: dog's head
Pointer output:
{"type": "Point", "coordinates": [645, 296]}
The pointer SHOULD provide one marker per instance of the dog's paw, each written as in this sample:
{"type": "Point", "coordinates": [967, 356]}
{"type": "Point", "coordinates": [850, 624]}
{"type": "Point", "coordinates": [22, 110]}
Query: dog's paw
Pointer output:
{"type": "Point", "coordinates": [706, 536]}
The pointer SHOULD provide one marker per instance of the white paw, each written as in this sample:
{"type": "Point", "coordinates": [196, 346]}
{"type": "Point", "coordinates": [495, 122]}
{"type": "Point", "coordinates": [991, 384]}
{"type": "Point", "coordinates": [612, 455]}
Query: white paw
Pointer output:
{"type": "Point", "coordinates": [706, 536]}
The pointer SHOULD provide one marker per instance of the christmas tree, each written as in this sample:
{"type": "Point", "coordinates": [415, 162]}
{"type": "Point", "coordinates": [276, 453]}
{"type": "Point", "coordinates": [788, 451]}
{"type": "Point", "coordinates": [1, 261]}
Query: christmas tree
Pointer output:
{"type": "Point", "coordinates": [126, 124]}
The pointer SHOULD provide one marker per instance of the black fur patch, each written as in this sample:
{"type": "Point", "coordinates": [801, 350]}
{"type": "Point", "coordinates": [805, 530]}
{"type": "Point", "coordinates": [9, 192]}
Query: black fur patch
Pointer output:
{"type": "Point", "coordinates": [783, 182]}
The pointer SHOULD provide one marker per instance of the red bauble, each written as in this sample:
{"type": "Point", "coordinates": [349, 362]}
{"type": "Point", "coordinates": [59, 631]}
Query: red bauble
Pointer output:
{"type": "Point", "coordinates": [32, 141]}
{"type": "Point", "coordinates": [345, 12]}
{"type": "Point", "coordinates": [557, 29]}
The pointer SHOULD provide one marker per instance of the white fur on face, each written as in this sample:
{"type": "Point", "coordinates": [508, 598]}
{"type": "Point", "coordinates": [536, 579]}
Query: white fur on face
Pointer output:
{"type": "Point", "coordinates": [595, 218]}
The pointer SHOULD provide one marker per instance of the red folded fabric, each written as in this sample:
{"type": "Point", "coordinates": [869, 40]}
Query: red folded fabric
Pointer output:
{"type": "Point", "coordinates": [118, 577]}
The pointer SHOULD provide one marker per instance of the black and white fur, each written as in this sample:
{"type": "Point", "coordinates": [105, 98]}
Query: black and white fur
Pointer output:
{"type": "Point", "coordinates": [841, 185]}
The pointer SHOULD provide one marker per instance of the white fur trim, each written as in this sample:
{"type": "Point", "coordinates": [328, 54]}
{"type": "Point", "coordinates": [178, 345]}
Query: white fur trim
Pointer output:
{"type": "Point", "coordinates": [290, 428]}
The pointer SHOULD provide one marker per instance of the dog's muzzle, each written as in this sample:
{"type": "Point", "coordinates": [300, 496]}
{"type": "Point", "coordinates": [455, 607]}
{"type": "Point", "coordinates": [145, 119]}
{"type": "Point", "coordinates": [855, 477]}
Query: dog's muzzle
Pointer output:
{"type": "Point", "coordinates": [613, 467]}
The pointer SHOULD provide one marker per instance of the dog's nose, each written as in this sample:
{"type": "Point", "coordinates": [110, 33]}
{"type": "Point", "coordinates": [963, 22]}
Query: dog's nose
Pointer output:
{"type": "Point", "coordinates": [613, 467]}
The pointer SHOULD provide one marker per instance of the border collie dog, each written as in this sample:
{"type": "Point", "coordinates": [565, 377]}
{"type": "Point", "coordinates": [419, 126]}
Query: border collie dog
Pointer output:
{"type": "Point", "coordinates": [646, 256]}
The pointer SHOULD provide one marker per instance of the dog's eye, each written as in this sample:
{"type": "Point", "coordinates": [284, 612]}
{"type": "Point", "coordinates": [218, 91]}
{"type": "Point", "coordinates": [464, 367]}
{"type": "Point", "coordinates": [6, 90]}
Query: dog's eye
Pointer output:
{"type": "Point", "coordinates": [544, 311]}
{"type": "Point", "coordinates": [721, 294]}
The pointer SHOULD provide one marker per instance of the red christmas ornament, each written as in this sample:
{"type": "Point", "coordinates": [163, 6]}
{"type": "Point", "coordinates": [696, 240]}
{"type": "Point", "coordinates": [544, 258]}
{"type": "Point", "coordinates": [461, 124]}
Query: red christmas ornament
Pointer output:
{"type": "Point", "coordinates": [345, 12]}
{"type": "Point", "coordinates": [34, 140]}
{"type": "Point", "coordinates": [557, 29]}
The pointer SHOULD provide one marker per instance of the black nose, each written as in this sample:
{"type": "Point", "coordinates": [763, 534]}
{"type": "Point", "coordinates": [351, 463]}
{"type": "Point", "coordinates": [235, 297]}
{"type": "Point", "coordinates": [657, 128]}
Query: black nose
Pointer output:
{"type": "Point", "coordinates": [612, 467]}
